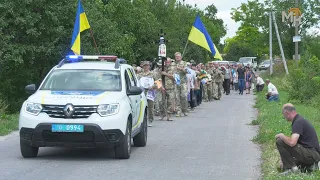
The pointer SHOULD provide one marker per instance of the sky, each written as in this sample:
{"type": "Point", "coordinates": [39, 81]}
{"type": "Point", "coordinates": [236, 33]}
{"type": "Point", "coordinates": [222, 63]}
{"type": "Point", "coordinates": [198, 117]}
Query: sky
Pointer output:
{"type": "Point", "coordinates": [224, 10]}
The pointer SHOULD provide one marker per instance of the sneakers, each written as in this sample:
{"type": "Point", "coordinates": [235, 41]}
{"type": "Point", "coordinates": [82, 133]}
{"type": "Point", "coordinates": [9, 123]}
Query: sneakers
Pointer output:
{"type": "Point", "coordinates": [294, 169]}
{"type": "Point", "coordinates": [314, 167]}
{"type": "Point", "coordinates": [150, 124]}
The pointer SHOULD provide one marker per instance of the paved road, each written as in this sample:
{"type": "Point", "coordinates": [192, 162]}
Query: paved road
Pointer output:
{"type": "Point", "coordinates": [213, 143]}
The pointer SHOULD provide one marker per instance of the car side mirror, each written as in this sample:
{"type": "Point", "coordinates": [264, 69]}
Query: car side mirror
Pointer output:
{"type": "Point", "coordinates": [134, 90]}
{"type": "Point", "coordinates": [31, 88]}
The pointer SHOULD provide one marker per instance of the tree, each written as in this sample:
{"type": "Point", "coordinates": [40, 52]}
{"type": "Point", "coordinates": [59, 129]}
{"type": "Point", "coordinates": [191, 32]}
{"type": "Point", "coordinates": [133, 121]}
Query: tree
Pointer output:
{"type": "Point", "coordinates": [247, 42]}
{"type": "Point", "coordinates": [256, 14]}
{"type": "Point", "coordinates": [235, 49]}
{"type": "Point", "coordinates": [35, 38]}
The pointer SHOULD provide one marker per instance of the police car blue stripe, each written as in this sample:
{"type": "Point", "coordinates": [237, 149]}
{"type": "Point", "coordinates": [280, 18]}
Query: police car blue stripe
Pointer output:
{"type": "Point", "coordinates": [92, 93]}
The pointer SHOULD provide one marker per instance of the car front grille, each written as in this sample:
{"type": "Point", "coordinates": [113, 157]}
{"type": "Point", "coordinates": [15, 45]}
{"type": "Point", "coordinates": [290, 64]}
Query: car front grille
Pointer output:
{"type": "Point", "coordinates": [86, 136]}
{"type": "Point", "coordinates": [57, 111]}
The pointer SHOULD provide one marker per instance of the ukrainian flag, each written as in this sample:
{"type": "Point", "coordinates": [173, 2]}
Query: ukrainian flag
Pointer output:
{"type": "Point", "coordinates": [80, 25]}
{"type": "Point", "coordinates": [201, 37]}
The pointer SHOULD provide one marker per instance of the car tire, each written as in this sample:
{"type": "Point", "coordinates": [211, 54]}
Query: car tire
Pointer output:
{"type": "Point", "coordinates": [28, 151]}
{"type": "Point", "coordinates": [123, 150]}
{"type": "Point", "coordinates": [140, 140]}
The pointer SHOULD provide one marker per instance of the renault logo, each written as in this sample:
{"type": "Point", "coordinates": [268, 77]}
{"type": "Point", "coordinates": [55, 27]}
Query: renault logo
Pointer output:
{"type": "Point", "coordinates": [68, 110]}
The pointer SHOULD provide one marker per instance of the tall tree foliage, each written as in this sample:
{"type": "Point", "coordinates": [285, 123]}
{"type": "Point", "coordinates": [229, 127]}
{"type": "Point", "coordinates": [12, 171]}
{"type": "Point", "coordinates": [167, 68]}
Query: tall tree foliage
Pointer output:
{"type": "Point", "coordinates": [256, 14]}
{"type": "Point", "coordinates": [34, 38]}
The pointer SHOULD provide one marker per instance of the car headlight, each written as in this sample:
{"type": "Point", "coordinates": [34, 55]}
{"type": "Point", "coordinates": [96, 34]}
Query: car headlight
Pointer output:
{"type": "Point", "coordinates": [108, 109]}
{"type": "Point", "coordinates": [33, 108]}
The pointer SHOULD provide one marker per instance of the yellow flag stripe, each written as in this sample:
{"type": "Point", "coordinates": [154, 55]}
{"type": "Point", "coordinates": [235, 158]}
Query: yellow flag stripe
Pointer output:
{"type": "Point", "coordinates": [76, 45]}
{"type": "Point", "coordinates": [217, 55]}
{"type": "Point", "coordinates": [197, 37]}
{"type": "Point", "coordinates": [84, 23]}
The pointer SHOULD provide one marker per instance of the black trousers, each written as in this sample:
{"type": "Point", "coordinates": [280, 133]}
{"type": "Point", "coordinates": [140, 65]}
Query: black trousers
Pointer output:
{"type": "Point", "coordinates": [200, 94]}
{"type": "Point", "coordinates": [197, 94]}
{"type": "Point", "coordinates": [226, 85]}
{"type": "Point", "coordinates": [297, 155]}
{"type": "Point", "coordinates": [192, 99]}
{"type": "Point", "coordinates": [259, 87]}
{"type": "Point", "coordinates": [236, 86]}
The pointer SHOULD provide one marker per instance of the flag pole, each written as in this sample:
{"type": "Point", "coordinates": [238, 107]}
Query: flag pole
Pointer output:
{"type": "Point", "coordinates": [185, 48]}
{"type": "Point", "coordinates": [94, 41]}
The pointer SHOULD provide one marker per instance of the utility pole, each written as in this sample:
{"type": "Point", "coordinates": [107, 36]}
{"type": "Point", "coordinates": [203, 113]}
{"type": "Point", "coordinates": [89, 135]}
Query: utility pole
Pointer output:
{"type": "Point", "coordinates": [270, 38]}
{"type": "Point", "coordinates": [296, 34]}
{"type": "Point", "coordinates": [280, 44]}
{"type": "Point", "coordinates": [162, 52]}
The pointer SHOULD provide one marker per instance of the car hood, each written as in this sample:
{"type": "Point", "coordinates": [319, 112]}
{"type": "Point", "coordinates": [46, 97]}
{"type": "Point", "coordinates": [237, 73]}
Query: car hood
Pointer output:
{"type": "Point", "coordinates": [75, 97]}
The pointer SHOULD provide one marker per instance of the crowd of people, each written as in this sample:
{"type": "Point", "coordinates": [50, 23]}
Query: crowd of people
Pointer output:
{"type": "Point", "coordinates": [187, 84]}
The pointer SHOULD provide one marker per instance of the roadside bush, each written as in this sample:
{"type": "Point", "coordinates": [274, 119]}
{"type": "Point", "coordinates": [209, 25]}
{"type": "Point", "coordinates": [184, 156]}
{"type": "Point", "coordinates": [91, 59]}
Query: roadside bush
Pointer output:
{"type": "Point", "coordinates": [279, 76]}
{"type": "Point", "coordinates": [305, 81]}
{"type": "Point", "coordinates": [302, 83]}
{"type": "Point", "coordinates": [3, 107]}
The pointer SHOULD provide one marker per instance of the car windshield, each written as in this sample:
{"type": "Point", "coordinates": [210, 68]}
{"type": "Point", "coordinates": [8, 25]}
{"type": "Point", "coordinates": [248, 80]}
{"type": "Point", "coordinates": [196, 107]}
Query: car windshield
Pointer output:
{"type": "Point", "coordinates": [245, 60]}
{"type": "Point", "coordinates": [266, 62]}
{"type": "Point", "coordinates": [83, 80]}
{"type": "Point", "coordinates": [223, 62]}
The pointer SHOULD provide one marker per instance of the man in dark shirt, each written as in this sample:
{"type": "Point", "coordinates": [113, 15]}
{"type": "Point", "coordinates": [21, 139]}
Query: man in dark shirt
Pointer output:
{"type": "Point", "coordinates": [302, 148]}
{"type": "Point", "coordinates": [241, 75]}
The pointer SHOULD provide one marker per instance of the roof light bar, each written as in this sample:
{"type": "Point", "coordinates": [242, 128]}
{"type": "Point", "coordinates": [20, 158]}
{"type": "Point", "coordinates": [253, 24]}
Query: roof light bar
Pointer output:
{"type": "Point", "coordinates": [78, 58]}
{"type": "Point", "coordinates": [73, 57]}
{"type": "Point", "coordinates": [90, 57]}
{"type": "Point", "coordinates": [108, 57]}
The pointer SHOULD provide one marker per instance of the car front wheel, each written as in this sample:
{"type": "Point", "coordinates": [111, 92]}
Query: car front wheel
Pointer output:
{"type": "Point", "coordinates": [28, 151]}
{"type": "Point", "coordinates": [140, 140]}
{"type": "Point", "coordinates": [123, 150]}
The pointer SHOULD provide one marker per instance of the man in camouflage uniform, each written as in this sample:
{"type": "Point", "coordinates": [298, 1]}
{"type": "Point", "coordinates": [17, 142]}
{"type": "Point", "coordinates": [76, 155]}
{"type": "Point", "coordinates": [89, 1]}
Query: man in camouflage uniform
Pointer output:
{"type": "Point", "coordinates": [209, 83]}
{"type": "Point", "coordinates": [220, 82]}
{"type": "Point", "coordinates": [147, 73]}
{"type": "Point", "coordinates": [205, 87]}
{"type": "Point", "coordinates": [181, 93]}
{"type": "Point", "coordinates": [158, 100]}
{"type": "Point", "coordinates": [167, 107]}
{"type": "Point", "coordinates": [216, 80]}
{"type": "Point", "coordinates": [211, 66]}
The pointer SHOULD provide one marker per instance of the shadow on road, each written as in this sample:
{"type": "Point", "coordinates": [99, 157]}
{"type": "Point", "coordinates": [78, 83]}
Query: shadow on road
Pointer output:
{"type": "Point", "coordinates": [76, 154]}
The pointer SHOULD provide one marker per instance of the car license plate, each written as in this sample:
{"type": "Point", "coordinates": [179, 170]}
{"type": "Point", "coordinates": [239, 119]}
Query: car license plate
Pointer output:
{"type": "Point", "coordinates": [67, 128]}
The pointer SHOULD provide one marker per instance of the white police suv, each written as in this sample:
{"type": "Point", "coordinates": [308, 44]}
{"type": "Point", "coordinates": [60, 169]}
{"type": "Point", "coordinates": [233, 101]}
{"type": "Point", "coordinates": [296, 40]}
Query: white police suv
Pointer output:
{"type": "Point", "coordinates": [85, 101]}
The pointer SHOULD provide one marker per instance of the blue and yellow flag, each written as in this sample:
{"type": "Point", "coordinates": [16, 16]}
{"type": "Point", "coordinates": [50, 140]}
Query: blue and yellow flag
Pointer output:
{"type": "Point", "coordinates": [201, 37]}
{"type": "Point", "coordinates": [80, 25]}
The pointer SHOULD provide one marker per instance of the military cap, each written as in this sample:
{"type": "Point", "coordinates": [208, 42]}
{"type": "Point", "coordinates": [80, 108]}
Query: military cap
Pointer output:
{"type": "Point", "coordinates": [143, 63]}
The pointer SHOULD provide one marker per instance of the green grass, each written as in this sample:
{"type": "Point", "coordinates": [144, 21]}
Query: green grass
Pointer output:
{"type": "Point", "coordinates": [8, 123]}
{"type": "Point", "coordinates": [272, 122]}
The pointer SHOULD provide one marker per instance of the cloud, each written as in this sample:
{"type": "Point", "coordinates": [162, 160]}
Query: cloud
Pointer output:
{"type": "Point", "coordinates": [231, 26]}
